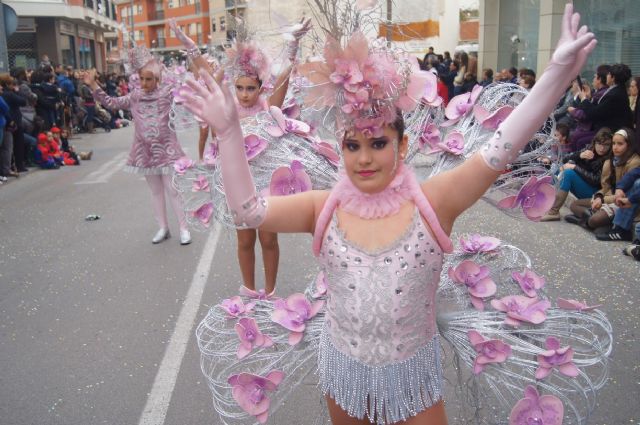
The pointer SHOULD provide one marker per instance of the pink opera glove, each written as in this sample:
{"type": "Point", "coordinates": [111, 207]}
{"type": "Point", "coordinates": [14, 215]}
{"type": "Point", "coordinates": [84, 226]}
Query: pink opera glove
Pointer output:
{"type": "Point", "coordinates": [514, 133]}
{"type": "Point", "coordinates": [556, 357]}
{"type": "Point", "coordinates": [535, 198]}
{"type": "Point", "coordinates": [477, 280]}
{"type": "Point", "coordinates": [489, 351]}
{"type": "Point", "coordinates": [298, 31]}
{"type": "Point", "coordinates": [250, 337]}
{"type": "Point", "coordinates": [536, 410]}
{"type": "Point", "coordinates": [251, 392]}
{"type": "Point", "coordinates": [575, 305]}
{"type": "Point", "coordinates": [522, 309]}
{"type": "Point", "coordinates": [235, 307]}
{"type": "Point", "coordinates": [215, 105]}
{"type": "Point", "coordinates": [188, 43]}
{"type": "Point", "coordinates": [476, 243]}
{"type": "Point", "coordinates": [529, 281]}
{"type": "Point", "coordinates": [293, 313]}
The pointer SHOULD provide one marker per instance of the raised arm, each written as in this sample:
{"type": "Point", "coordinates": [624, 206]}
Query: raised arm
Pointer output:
{"type": "Point", "coordinates": [282, 83]}
{"type": "Point", "coordinates": [454, 191]}
{"type": "Point", "coordinates": [113, 103]}
{"type": "Point", "coordinates": [215, 105]}
{"type": "Point", "coordinates": [193, 51]}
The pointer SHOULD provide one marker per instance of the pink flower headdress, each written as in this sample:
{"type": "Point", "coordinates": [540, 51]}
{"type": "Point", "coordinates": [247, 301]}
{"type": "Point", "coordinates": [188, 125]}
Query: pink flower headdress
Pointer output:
{"type": "Point", "coordinates": [139, 58]}
{"type": "Point", "coordinates": [247, 59]}
{"type": "Point", "coordinates": [366, 82]}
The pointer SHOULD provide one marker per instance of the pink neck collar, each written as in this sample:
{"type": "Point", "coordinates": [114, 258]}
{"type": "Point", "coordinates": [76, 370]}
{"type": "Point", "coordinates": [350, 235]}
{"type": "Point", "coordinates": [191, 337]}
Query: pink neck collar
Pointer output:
{"type": "Point", "coordinates": [261, 105]}
{"type": "Point", "coordinates": [375, 205]}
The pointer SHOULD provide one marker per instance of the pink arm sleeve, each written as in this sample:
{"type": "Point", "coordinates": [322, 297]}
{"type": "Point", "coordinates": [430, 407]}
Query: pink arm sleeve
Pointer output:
{"type": "Point", "coordinates": [113, 103]}
{"type": "Point", "coordinates": [247, 207]}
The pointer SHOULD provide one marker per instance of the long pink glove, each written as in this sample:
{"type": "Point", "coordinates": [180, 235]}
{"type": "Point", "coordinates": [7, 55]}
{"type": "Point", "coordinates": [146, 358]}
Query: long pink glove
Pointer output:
{"type": "Point", "coordinates": [570, 55]}
{"type": "Point", "coordinates": [215, 105]}
{"type": "Point", "coordinates": [188, 43]}
{"type": "Point", "coordinates": [298, 31]}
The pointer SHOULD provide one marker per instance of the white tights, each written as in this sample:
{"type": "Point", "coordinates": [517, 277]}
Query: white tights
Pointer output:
{"type": "Point", "coordinates": [159, 185]}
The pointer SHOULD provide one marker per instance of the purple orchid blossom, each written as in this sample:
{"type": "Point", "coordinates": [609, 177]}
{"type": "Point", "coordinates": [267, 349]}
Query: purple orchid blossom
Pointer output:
{"type": "Point", "coordinates": [476, 243]}
{"type": "Point", "coordinates": [286, 125]}
{"type": "Point", "coordinates": [253, 145]}
{"type": "Point", "coordinates": [460, 105]}
{"type": "Point", "coordinates": [326, 149]}
{"type": "Point", "coordinates": [289, 180]}
{"type": "Point", "coordinates": [204, 213]}
{"type": "Point", "coordinates": [576, 305]}
{"type": "Point", "coordinates": [347, 73]}
{"type": "Point", "coordinates": [477, 280]}
{"type": "Point", "coordinates": [182, 165]}
{"type": "Point", "coordinates": [492, 120]}
{"type": "Point", "coordinates": [489, 351]}
{"type": "Point", "coordinates": [250, 337]}
{"type": "Point", "coordinates": [430, 137]}
{"type": "Point", "coordinates": [536, 410]}
{"type": "Point", "coordinates": [292, 314]}
{"type": "Point", "coordinates": [535, 198]}
{"type": "Point", "coordinates": [529, 281]}
{"type": "Point", "coordinates": [211, 153]}
{"type": "Point", "coordinates": [556, 357]}
{"type": "Point", "coordinates": [251, 392]}
{"type": "Point", "coordinates": [200, 184]}
{"type": "Point", "coordinates": [430, 96]}
{"type": "Point", "coordinates": [522, 309]}
{"type": "Point", "coordinates": [235, 307]}
{"type": "Point", "coordinates": [453, 143]}
{"type": "Point", "coordinates": [370, 127]}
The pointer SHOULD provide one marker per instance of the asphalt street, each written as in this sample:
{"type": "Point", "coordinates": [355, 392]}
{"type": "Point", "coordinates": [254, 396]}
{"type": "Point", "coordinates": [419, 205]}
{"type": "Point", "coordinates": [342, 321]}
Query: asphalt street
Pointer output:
{"type": "Point", "coordinates": [97, 324]}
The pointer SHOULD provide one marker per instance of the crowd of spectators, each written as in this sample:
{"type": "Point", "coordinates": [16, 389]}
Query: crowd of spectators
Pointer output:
{"type": "Point", "coordinates": [41, 108]}
{"type": "Point", "coordinates": [598, 147]}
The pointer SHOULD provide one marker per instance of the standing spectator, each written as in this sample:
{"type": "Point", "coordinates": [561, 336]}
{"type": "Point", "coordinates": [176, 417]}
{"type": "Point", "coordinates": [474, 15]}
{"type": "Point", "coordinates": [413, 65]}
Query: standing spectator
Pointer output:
{"type": "Point", "coordinates": [463, 64]}
{"type": "Point", "coordinates": [449, 76]}
{"type": "Point", "coordinates": [487, 77]}
{"type": "Point", "coordinates": [89, 104]}
{"type": "Point", "coordinates": [5, 149]}
{"type": "Point", "coordinates": [561, 114]}
{"type": "Point", "coordinates": [584, 128]}
{"type": "Point", "coordinates": [469, 83]}
{"type": "Point", "coordinates": [15, 101]}
{"type": "Point", "coordinates": [43, 85]}
{"type": "Point", "coordinates": [446, 61]}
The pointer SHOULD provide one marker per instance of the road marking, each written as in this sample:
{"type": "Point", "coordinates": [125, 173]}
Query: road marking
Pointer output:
{"type": "Point", "coordinates": [106, 170]}
{"type": "Point", "coordinates": [155, 411]}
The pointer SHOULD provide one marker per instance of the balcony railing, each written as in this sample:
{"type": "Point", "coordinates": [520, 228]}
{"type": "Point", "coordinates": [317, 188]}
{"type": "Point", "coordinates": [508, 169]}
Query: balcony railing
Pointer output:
{"type": "Point", "coordinates": [161, 43]}
{"type": "Point", "coordinates": [232, 4]}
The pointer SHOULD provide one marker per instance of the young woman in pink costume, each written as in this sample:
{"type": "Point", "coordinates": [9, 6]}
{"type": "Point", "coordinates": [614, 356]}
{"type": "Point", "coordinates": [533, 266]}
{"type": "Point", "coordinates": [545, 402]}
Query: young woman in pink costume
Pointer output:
{"type": "Point", "coordinates": [249, 68]}
{"type": "Point", "coordinates": [379, 237]}
{"type": "Point", "coordinates": [155, 146]}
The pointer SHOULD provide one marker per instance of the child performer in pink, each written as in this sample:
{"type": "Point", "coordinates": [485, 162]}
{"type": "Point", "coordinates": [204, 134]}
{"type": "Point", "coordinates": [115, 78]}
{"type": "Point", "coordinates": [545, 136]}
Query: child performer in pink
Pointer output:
{"type": "Point", "coordinates": [380, 238]}
{"type": "Point", "coordinates": [248, 68]}
{"type": "Point", "coordinates": [155, 146]}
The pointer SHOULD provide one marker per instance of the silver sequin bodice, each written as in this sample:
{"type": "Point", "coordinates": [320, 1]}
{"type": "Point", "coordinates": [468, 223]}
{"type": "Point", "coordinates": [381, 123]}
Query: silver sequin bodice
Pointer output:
{"type": "Point", "coordinates": [380, 305]}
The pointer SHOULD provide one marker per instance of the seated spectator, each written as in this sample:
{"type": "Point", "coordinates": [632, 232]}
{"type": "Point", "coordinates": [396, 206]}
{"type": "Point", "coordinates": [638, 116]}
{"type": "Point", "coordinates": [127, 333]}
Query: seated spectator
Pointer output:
{"type": "Point", "coordinates": [527, 82]}
{"type": "Point", "coordinates": [42, 156]}
{"type": "Point", "coordinates": [560, 149]}
{"type": "Point", "coordinates": [581, 172]}
{"type": "Point", "coordinates": [601, 210]}
{"type": "Point", "coordinates": [469, 83]}
{"type": "Point", "coordinates": [68, 153]}
{"type": "Point", "coordinates": [54, 148]}
{"type": "Point", "coordinates": [561, 114]}
{"type": "Point", "coordinates": [627, 199]}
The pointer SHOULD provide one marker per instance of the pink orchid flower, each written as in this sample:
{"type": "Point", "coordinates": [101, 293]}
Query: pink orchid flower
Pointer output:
{"type": "Point", "coordinates": [535, 198]}
{"type": "Point", "coordinates": [321, 286]}
{"type": "Point", "coordinates": [430, 96]}
{"type": "Point", "coordinates": [370, 127]}
{"type": "Point", "coordinates": [556, 357]}
{"type": "Point", "coordinates": [250, 337]}
{"type": "Point", "coordinates": [576, 305]}
{"type": "Point", "coordinates": [204, 213]}
{"type": "Point", "coordinates": [251, 392]}
{"type": "Point", "coordinates": [489, 351]}
{"type": "Point", "coordinates": [292, 314]}
{"type": "Point", "coordinates": [326, 149]}
{"type": "Point", "coordinates": [415, 86]}
{"type": "Point", "coordinates": [286, 125]}
{"type": "Point", "coordinates": [291, 109]}
{"type": "Point", "coordinates": [522, 309]}
{"type": "Point", "coordinates": [347, 74]}
{"type": "Point", "coordinates": [235, 307]}
{"type": "Point", "coordinates": [453, 143]}
{"type": "Point", "coordinates": [430, 137]}
{"type": "Point", "coordinates": [356, 101]}
{"type": "Point", "coordinates": [492, 120]}
{"type": "Point", "coordinates": [200, 184]}
{"type": "Point", "coordinates": [256, 295]}
{"type": "Point", "coordinates": [536, 410]}
{"type": "Point", "coordinates": [529, 281]}
{"type": "Point", "coordinates": [253, 145]}
{"type": "Point", "coordinates": [211, 153]}
{"type": "Point", "coordinates": [289, 180]}
{"type": "Point", "coordinates": [182, 165]}
{"type": "Point", "coordinates": [477, 243]}
{"type": "Point", "coordinates": [460, 105]}
{"type": "Point", "coordinates": [477, 280]}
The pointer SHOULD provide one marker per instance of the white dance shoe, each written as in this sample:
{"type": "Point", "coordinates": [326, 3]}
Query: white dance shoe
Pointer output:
{"type": "Point", "coordinates": [185, 237]}
{"type": "Point", "coordinates": [161, 235]}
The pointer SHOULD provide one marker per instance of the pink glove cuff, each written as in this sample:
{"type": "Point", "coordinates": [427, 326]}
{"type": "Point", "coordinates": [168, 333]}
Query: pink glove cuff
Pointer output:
{"type": "Point", "coordinates": [251, 213]}
{"type": "Point", "coordinates": [499, 152]}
